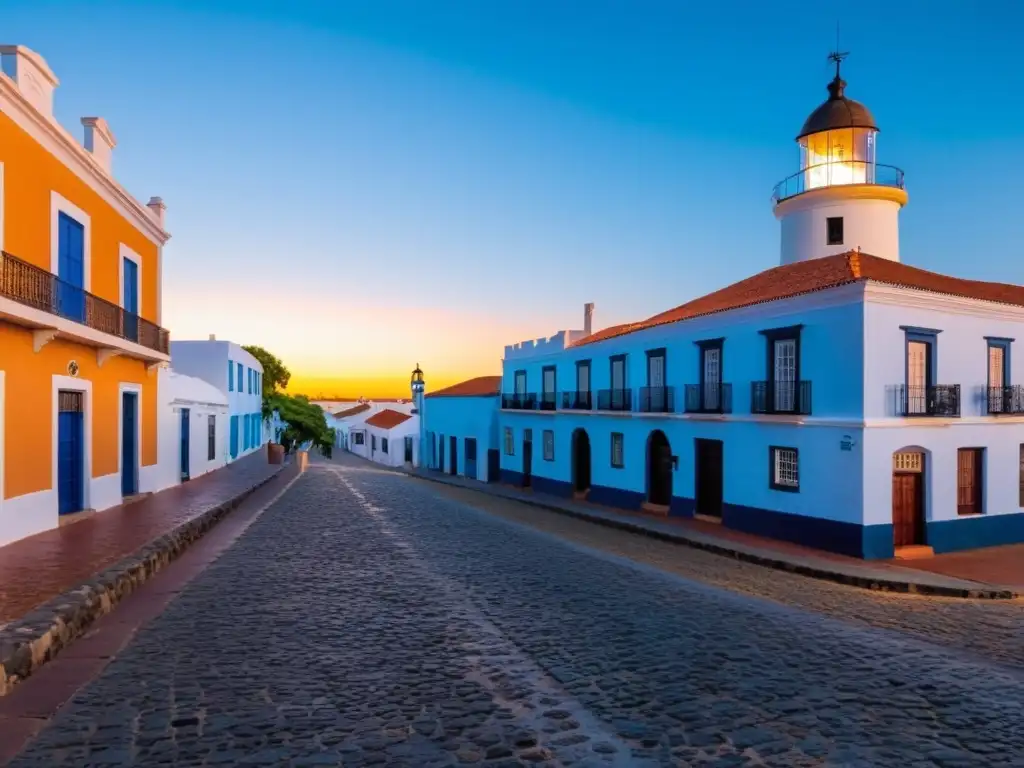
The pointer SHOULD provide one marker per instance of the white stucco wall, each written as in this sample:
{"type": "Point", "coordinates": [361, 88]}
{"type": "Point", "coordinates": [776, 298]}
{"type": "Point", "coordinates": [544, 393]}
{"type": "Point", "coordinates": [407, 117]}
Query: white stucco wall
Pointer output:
{"type": "Point", "coordinates": [176, 392]}
{"type": "Point", "coordinates": [395, 457]}
{"type": "Point", "coordinates": [870, 225]}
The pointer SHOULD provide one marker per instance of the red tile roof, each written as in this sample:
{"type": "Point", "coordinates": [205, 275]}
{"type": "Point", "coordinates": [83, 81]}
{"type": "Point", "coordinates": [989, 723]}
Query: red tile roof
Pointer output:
{"type": "Point", "coordinates": [351, 411]}
{"type": "Point", "coordinates": [479, 387]}
{"type": "Point", "coordinates": [387, 419]}
{"type": "Point", "coordinates": [818, 275]}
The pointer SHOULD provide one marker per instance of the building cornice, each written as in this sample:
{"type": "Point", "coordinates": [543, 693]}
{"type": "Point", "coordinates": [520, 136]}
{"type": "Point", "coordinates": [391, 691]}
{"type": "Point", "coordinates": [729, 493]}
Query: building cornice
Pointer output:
{"type": "Point", "coordinates": [840, 193]}
{"type": "Point", "coordinates": [60, 143]}
{"type": "Point", "coordinates": [882, 293]}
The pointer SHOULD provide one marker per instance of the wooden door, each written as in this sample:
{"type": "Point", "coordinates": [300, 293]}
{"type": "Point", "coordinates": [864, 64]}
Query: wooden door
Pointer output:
{"type": "Point", "coordinates": [660, 469]}
{"type": "Point", "coordinates": [454, 442]}
{"type": "Point", "coordinates": [708, 470]}
{"type": "Point", "coordinates": [527, 458]}
{"type": "Point", "coordinates": [969, 481]}
{"type": "Point", "coordinates": [908, 509]}
{"type": "Point", "coordinates": [70, 268]}
{"type": "Point", "coordinates": [70, 452]}
{"type": "Point", "coordinates": [186, 448]}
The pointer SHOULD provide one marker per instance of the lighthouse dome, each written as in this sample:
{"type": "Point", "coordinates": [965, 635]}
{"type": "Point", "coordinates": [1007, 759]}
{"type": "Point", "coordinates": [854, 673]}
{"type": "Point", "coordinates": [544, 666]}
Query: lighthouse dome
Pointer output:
{"type": "Point", "coordinates": [837, 112]}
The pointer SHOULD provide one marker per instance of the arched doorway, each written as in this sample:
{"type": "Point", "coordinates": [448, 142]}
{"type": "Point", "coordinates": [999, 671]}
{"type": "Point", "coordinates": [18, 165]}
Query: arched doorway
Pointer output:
{"type": "Point", "coordinates": [908, 490]}
{"type": "Point", "coordinates": [659, 469]}
{"type": "Point", "coordinates": [580, 461]}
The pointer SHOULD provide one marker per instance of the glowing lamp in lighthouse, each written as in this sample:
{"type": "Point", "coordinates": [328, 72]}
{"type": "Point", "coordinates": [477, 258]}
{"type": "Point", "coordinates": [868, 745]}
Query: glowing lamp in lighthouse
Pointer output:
{"type": "Point", "coordinates": [416, 380]}
{"type": "Point", "coordinates": [841, 198]}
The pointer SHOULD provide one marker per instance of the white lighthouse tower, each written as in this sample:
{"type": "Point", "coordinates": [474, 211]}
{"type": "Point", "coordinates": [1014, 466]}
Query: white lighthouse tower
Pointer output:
{"type": "Point", "coordinates": [841, 199]}
{"type": "Point", "coordinates": [418, 386]}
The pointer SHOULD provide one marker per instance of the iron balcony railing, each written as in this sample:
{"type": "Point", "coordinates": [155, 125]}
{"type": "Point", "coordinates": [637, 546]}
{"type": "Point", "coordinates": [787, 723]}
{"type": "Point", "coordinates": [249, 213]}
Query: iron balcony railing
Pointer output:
{"type": "Point", "coordinates": [934, 400]}
{"type": "Point", "coordinates": [837, 174]}
{"type": "Point", "coordinates": [615, 400]}
{"type": "Point", "coordinates": [548, 401]}
{"type": "Point", "coordinates": [657, 400]}
{"type": "Point", "coordinates": [37, 288]}
{"type": "Point", "coordinates": [710, 397]}
{"type": "Point", "coordinates": [577, 401]}
{"type": "Point", "coordinates": [520, 401]}
{"type": "Point", "coordinates": [1006, 400]}
{"type": "Point", "coordinates": [792, 397]}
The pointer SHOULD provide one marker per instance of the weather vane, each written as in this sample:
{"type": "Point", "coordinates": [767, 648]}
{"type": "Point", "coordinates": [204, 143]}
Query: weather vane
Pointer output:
{"type": "Point", "coordinates": [837, 56]}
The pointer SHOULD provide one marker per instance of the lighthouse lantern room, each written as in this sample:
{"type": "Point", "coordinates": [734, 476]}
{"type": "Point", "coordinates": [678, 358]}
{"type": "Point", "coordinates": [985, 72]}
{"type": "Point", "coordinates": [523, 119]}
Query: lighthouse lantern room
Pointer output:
{"type": "Point", "coordinates": [841, 199]}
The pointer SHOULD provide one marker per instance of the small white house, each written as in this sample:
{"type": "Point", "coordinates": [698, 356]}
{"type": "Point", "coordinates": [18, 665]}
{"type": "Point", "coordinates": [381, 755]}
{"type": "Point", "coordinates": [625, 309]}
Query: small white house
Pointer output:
{"type": "Point", "coordinates": [239, 376]}
{"type": "Point", "coordinates": [388, 437]}
{"type": "Point", "coordinates": [193, 419]}
{"type": "Point", "coordinates": [344, 420]}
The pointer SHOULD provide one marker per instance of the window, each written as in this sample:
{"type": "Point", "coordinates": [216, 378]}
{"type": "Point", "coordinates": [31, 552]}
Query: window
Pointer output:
{"type": "Point", "coordinates": [656, 368]}
{"type": "Point", "coordinates": [549, 380]}
{"type": "Point", "coordinates": [239, 377]}
{"type": "Point", "coordinates": [231, 376]}
{"type": "Point", "coordinates": [510, 443]}
{"type": "Point", "coordinates": [211, 437]}
{"type": "Point", "coordinates": [583, 376]}
{"type": "Point", "coordinates": [834, 230]}
{"type": "Point", "coordinates": [549, 445]}
{"type": "Point", "coordinates": [357, 438]}
{"type": "Point", "coordinates": [785, 470]}
{"type": "Point", "coordinates": [1021, 476]}
{"type": "Point", "coordinates": [618, 372]}
{"type": "Point", "coordinates": [384, 445]}
{"type": "Point", "coordinates": [520, 382]}
{"type": "Point", "coordinates": [969, 466]}
{"type": "Point", "coordinates": [618, 460]}
{"type": "Point", "coordinates": [373, 442]}
{"type": "Point", "coordinates": [710, 374]}
{"type": "Point", "coordinates": [234, 436]}
{"type": "Point", "coordinates": [921, 346]}
{"type": "Point", "coordinates": [470, 449]}
{"type": "Point", "coordinates": [1000, 399]}
{"type": "Point", "coordinates": [784, 370]}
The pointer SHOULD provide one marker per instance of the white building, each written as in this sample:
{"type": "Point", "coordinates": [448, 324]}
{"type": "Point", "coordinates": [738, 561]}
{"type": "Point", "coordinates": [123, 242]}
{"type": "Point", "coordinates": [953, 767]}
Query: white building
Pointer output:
{"type": "Point", "coordinates": [239, 376]}
{"type": "Point", "coordinates": [193, 428]}
{"type": "Point", "coordinates": [344, 420]}
{"type": "Point", "coordinates": [387, 437]}
{"type": "Point", "coordinates": [840, 400]}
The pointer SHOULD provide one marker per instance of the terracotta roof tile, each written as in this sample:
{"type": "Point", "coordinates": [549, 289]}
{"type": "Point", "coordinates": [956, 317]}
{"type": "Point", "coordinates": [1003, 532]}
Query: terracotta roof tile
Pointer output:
{"type": "Point", "coordinates": [387, 419]}
{"type": "Point", "coordinates": [480, 386]}
{"type": "Point", "coordinates": [818, 275]}
{"type": "Point", "coordinates": [351, 411]}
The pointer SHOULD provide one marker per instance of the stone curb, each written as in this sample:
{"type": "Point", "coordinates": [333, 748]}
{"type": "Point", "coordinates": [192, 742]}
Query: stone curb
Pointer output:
{"type": "Point", "coordinates": [766, 560]}
{"type": "Point", "coordinates": [29, 642]}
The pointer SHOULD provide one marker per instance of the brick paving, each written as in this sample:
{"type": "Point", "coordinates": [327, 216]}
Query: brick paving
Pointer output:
{"type": "Point", "coordinates": [994, 565]}
{"type": "Point", "coordinates": [41, 567]}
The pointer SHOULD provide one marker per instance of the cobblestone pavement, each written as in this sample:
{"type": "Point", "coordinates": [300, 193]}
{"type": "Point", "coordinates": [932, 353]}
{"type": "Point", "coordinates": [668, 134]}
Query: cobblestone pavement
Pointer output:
{"type": "Point", "coordinates": [366, 619]}
{"type": "Point", "coordinates": [992, 629]}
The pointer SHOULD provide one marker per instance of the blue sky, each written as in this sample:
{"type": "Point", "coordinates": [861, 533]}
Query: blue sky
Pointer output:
{"type": "Point", "coordinates": [361, 186]}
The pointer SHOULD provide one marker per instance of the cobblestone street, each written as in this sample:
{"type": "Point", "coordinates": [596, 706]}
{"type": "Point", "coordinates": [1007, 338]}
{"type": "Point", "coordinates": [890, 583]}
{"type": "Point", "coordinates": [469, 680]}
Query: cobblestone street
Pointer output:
{"type": "Point", "coordinates": [371, 619]}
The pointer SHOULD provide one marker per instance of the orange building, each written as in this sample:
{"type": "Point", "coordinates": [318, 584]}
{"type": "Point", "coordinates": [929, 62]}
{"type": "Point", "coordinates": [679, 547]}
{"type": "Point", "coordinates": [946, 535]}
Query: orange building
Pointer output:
{"type": "Point", "coordinates": [80, 305]}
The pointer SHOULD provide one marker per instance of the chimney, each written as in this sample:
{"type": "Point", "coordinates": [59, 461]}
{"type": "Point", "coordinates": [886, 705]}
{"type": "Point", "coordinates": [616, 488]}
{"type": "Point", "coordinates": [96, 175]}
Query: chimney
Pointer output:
{"type": "Point", "coordinates": [588, 318]}
{"type": "Point", "coordinates": [99, 141]}
{"type": "Point", "coordinates": [213, 337]}
{"type": "Point", "coordinates": [29, 72]}
{"type": "Point", "coordinates": [156, 205]}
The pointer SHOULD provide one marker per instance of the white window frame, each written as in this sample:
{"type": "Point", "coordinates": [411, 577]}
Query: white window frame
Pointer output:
{"type": "Point", "coordinates": [124, 252]}
{"type": "Point", "coordinates": [59, 205]}
{"type": "Point", "coordinates": [72, 384]}
{"type": "Point", "coordinates": [785, 472]}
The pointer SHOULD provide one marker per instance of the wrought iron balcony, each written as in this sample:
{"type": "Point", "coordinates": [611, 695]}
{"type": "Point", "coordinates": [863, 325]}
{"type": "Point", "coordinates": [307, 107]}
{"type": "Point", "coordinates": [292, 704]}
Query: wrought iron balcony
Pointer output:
{"type": "Point", "coordinates": [548, 401]}
{"type": "Point", "coordinates": [1004, 400]}
{"type": "Point", "coordinates": [520, 401]}
{"type": "Point", "coordinates": [935, 400]}
{"type": "Point", "coordinates": [657, 400]}
{"type": "Point", "coordinates": [837, 174]}
{"type": "Point", "coordinates": [710, 397]}
{"type": "Point", "coordinates": [577, 401]}
{"type": "Point", "coordinates": [615, 400]}
{"type": "Point", "coordinates": [39, 289]}
{"type": "Point", "coordinates": [780, 397]}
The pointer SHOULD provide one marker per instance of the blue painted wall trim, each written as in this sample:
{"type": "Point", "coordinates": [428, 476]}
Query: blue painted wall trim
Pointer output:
{"type": "Point", "coordinates": [976, 531]}
{"type": "Point", "coordinates": [870, 542]}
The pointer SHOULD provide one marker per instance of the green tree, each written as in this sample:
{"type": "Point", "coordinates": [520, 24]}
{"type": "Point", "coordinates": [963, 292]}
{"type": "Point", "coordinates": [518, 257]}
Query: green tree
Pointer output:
{"type": "Point", "coordinates": [304, 422]}
{"type": "Point", "coordinates": [275, 374]}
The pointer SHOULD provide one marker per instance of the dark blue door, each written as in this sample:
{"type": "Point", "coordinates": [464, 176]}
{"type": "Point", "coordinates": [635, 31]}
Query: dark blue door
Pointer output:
{"type": "Point", "coordinates": [70, 452]}
{"type": "Point", "coordinates": [129, 443]}
{"type": "Point", "coordinates": [70, 268]}
{"type": "Point", "coordinates": [185, 435]}
{"type": "Point", "coordinates": [131, 300]}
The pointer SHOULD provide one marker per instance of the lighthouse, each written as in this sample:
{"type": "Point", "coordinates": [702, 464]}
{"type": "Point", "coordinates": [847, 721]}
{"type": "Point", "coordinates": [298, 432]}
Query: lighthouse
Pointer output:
{"type": "Point", "coordinates": [841, 199]}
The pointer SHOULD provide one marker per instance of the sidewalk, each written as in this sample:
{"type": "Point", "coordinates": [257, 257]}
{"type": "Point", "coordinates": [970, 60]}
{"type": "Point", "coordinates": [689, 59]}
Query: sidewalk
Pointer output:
{"type": "Point", "coordinates": [753, 549]}
{"type": "Point", "coordinates": [56, 583]}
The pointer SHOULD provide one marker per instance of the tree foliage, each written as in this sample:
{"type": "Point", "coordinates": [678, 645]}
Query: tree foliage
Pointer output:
{"type": "Point", "coordinates": [304, 421]}
{"type": "Point", "coordinates": [275, 374]}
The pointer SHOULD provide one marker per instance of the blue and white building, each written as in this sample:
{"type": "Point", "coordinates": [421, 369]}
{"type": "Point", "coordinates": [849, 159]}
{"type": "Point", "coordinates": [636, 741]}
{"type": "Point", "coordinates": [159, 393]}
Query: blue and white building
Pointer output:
{"type": "Point", "coordinates": [841, 400]}
{"type": "Point", "coordinates": [239, 375]}
{"type": "Point", "coordinates": [461, 429]}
